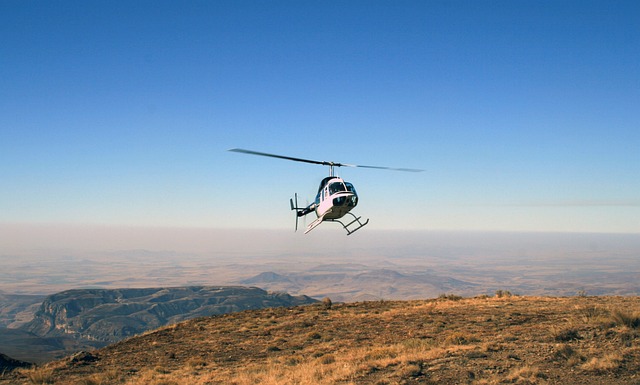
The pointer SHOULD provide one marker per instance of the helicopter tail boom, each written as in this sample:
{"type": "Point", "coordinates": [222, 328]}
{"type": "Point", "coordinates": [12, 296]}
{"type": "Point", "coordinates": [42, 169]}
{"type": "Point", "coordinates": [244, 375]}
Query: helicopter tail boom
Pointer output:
{"type": "Point", "coordinates": [301, 211]}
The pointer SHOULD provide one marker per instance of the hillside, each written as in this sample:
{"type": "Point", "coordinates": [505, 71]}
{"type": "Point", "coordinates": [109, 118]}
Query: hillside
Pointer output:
{"type": "Point", "coordinates": [84, 319]}
{"type": "Point", "coordinates": [449, 340]}
{"type": "Point", "coordinates": [111, 315]}
{"type": "Point", "coordinates": [17, 309]}
{"type": "Point", "coordinates": [7, 363]}
{"type": "Point", "coordinates": [25, 346]}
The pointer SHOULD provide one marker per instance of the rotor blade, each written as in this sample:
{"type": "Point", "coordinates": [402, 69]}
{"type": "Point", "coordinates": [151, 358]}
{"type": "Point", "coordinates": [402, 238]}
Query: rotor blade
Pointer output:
{"type": "Point", "coordinates": [389, 168]}
{"type": "Point", "coordinates": [243, 151]}
{"type": "Point", "coordinates": [324, 163]}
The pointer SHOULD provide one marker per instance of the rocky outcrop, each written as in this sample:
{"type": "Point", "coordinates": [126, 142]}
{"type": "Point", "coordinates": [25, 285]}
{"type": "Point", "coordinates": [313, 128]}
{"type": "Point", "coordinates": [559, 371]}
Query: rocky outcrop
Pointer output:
{"type": "Point", "coordinates": [111, 315]}
{"type": "Point", "coordinates": [18, 309]}
{"type": "Point", "coordinates": [7, 363]}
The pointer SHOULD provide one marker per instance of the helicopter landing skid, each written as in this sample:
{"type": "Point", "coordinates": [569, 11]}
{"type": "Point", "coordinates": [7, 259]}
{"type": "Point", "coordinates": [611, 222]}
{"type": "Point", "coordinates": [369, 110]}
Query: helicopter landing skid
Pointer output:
{"type": "Point", "coordinates": [358, 224]}
{"type": "Point", "coordinates": [314, 224]}
{"type": "Point", "coordinates": [317, 221]}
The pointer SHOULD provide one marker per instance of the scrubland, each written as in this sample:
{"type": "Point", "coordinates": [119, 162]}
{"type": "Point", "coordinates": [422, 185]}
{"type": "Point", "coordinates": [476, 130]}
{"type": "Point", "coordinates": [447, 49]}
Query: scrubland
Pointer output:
{"type": "Point", "coordinates": [448, 340]}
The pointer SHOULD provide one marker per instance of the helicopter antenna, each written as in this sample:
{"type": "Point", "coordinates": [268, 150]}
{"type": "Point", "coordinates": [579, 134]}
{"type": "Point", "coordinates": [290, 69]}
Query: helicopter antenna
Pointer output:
{"type": "Point", "coordinates": [323, 163]}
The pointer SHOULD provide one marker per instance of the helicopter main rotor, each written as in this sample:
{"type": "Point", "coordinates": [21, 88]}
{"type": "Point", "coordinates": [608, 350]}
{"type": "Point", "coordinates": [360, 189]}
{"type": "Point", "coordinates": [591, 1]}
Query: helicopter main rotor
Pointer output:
{"type": "Point", "coordinates": [323, 163]}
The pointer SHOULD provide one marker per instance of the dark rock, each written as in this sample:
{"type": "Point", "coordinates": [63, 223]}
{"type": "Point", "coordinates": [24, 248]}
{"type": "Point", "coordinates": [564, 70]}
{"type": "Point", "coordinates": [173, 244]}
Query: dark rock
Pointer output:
{"type": "Point", "coordinates": [82, 358]}
{"type": "Point", "coordinates": [8, 364]}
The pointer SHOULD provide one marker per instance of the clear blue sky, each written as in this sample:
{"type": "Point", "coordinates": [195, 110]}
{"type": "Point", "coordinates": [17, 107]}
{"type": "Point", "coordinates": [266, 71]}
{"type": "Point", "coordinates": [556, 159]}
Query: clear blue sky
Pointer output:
{"type": "Point", "coordinates": [525, 115]}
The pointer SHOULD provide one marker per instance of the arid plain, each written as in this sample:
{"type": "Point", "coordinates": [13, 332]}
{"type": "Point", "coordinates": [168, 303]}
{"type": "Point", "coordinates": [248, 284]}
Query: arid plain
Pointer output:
{"type": "Point", "coordinates": [400, 266]}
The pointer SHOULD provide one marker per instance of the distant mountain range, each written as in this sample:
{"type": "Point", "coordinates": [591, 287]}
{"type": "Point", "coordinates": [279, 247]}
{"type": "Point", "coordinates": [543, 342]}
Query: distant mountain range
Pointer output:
{"type": "Point", "coordinates": [74, 319]}
{"type": "Point", "coordinates": [360, 284]}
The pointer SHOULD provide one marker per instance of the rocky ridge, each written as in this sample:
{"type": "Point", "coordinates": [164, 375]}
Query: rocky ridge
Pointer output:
{"type": "Point", "coordinates": [110, 315]}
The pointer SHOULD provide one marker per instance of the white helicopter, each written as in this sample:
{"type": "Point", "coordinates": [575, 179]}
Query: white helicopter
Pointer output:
{"type": "Point", "coordinates": [336, 197]}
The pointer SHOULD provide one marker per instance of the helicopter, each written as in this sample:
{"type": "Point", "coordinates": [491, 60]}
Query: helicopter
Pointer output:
{"type": "Point", "coordinates": [335, 198]}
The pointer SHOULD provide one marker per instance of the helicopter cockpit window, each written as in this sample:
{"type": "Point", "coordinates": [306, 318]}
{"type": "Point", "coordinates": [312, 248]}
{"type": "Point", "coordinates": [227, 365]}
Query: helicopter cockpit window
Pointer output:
{"type": "Point", "coordinates": [350, 187]}
{"type": "Point", "coordinates": [336, 187]}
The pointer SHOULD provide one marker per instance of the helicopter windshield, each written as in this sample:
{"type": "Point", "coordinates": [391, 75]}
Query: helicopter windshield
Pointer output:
{"type": "Point", "coordinates": [350, 187]}
{"type": "Point", "coordinates": [336, 187]}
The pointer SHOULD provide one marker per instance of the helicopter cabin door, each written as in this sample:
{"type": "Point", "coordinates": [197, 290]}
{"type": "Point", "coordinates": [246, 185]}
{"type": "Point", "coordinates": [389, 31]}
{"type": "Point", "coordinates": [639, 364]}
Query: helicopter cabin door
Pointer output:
{"type": "Point", "coordinates": [325, 202]}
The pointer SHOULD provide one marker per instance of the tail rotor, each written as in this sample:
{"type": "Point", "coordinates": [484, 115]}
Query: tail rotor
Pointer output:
{"type": "Point", "coordinates": [295, 208]}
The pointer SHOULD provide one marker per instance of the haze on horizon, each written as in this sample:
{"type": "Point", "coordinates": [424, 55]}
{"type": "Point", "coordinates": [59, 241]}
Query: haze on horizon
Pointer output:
{"type": "Point", "coordinates": [48, 259]}
{"type": "Point", "coordinates": [50, 240]}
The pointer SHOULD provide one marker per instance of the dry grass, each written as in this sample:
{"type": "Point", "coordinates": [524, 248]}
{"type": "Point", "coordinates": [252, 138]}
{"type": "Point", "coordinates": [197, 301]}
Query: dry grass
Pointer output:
{"type": "Point", "coordinates": [592, 314]}
{"type": "Point", "coordinates": [487, 340]}
{"type": "Point", "coordinates": [625, 318]}
{"type": "Point", "coordinates": [566, 352]}
{"type": "Point", "coordinates": [39, 375]}
{"type": "Point", "coordinates": [608, 362]}
{"type": "Point", "coordinates": [565, 334]}
{"type": "Point", "coordinates": [106, 378]}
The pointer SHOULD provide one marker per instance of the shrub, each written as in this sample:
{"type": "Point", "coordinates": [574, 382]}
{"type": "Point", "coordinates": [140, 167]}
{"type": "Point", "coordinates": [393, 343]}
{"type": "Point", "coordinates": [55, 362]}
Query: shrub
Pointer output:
{"type": "Point", "coordinates": [314, 336]}
{"type": "Point", "coordinates": [457, 338]}
{"type": "Point", "coordinates": [108, 377]}
{"type": "Point", "coordinates": [525, 375]}
{"type": "Point", "coordinates": [327, 359]}
{"type": "Point", "coordinates": [591, 314]}
{"type": "Point", "coordinates": [566, 335]}
{"type": "Point", "coordinates": [40, 376]}
{"type": "Point", "coordinates": [449, 297]}
{"type": "Point", "coordinates": [622, 318]}
{"type": "Point", "coordinates": [566, 352]}
{"type": "Point", "coordinates": [196, 362]}
{"type": "Point", "coordinates": [409, 370]}
{"type": "Point", "coordinates": [608, 362]}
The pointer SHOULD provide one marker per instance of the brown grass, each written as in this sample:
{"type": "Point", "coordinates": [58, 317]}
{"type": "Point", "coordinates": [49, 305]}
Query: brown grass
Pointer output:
{"type": "Point", "coordinates": [626, 318]}
{"type": "Point", "coordinates": [525, 375]}
{"type": "Point", "coordinates": [39, 375]}
{"type": "Point", "coordinates": [487, 340]}
{"type": "Point", "coordinates": [106, 378]}
{"type": "Point", "coordinates": [608, 362]}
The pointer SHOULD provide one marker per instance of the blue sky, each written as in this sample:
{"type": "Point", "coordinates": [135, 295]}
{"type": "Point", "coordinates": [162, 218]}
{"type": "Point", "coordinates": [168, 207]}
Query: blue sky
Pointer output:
{"type": "Point", "coordinates": [524, 114]}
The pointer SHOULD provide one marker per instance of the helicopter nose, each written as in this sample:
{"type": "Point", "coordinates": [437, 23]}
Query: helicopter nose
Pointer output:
{"type": "Point", "coordinates": [345, 199]}
{"type": "Point", "coordinates": [339, 201]}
